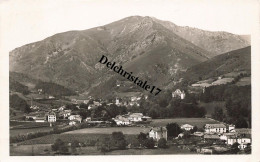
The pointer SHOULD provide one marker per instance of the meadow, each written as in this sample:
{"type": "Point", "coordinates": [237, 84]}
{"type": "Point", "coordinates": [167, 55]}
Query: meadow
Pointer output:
{"type": "Point", "coordinates": [199, 122]}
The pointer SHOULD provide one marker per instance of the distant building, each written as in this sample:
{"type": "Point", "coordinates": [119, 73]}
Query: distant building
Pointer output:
{"type": "Point", "coordinates": [158, 133]}
{"type": "Point", "coordinates": [40, 119]}
{"type": "Point", "coordinates": [118, 102]}
{"type": "Point", "coordinates": [74, 122]}
{"type": "Point", "coordinates": [122, 120]}
{"type": "Point", "coordinates": [51, 117]}
{"type": "Point", "coordinates": [75, 117]}
{"type": "Point", "coordinates": [178, 94]}
{"type": "Point", "coordinates": [135, 117]}
{"type": "Point", "coordinates": [215, 128]}
{"type": "Point", "coordinates": [231, 128]}
{"type": "Point", "coordinates": [187, 127]}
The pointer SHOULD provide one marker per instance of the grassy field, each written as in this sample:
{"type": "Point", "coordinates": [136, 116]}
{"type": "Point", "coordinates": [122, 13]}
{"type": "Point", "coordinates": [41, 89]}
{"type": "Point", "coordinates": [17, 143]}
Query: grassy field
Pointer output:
{"type": "Point", "coordinates": [125, 130]}
{"type": "Point", "coordinates": [29, 150]}
{"type": "Point", "coordinates": [39, 149]}
{"type": "Point", "coordinates": [199, 122]}
{"type": "Point", "coordinates": [244, 81]}
{"type": "Point", "coordinates": [15, 132]}
{"type": "Point", "coordinates": [49, 139]}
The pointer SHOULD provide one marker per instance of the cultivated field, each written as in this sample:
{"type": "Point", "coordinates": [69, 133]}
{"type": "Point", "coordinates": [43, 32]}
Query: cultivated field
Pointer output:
{"type": "Point", "coordinates": [50, 139]}
{"type": "Point", "coordinates": [244, 81]}
{"type": "Point", "coordinates": [15, 132]}
{"type": "Point", "coordinates": [125, 130]}
{"type": "Point", "coordinates": [199, 122]}
{"type": "Point", "coordinates": [45, 149]}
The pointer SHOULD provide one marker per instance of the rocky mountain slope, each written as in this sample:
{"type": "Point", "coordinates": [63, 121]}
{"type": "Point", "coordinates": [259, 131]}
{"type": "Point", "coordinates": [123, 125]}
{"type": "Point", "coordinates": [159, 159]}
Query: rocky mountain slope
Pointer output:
{"type": "Point", "coordinates": [152, 49]}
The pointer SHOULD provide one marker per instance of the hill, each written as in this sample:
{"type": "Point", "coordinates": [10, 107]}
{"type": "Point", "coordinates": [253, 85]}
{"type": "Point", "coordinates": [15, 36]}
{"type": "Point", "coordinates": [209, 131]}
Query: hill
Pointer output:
{"type": "Point", "coordinates": [233, 61]}
{"type": "Point", "coordinates": [150, 48]}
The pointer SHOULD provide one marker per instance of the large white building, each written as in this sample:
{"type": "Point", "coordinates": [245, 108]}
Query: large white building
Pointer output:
{"type": "Point", "coordinates": [215, 128]}
{"type": "Point", "coordinates": [158, 133]}
{"type": "Point", "coordinates": [51, 117]}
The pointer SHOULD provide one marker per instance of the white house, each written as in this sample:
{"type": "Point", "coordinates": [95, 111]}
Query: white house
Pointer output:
{"type": "Point", "coordinates": [74, 122]}
{"type": "Point", "coordinates": [215, 128]}
{"type": "Point", "coordinates": [187, 127]}
{"type": "Point", "coordinates": [75, 117]}
{"type": "Point", "coordinates": [122, 120]}
{"type": "Point", "coordinates": [231, 128]}
{"type": "Point", "coordinates": [135, 117]}
{"type": "Point", "coordinates": [51, 117]}
{"type": "Point", "coordinates": [178, 94]}
{"type": "Point", "coordinates": [117, 102]}
{"type": "Point", "coordinates": [158, 133]}
{"type": "Point", "coordinates": [40, 119]}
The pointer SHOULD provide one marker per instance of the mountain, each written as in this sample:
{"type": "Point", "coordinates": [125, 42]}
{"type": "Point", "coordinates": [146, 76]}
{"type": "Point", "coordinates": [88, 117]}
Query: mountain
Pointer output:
{"type": "Point", "coordinates": [233, 61]}
{"type": "Point", "coordinates": [214, 42]}
{"type": "Point", "coordinates": [152, 49]}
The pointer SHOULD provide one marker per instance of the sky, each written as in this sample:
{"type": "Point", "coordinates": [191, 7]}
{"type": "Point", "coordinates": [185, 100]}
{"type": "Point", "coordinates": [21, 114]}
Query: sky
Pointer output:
{"type": "Point", "coordinates": [27, 21]}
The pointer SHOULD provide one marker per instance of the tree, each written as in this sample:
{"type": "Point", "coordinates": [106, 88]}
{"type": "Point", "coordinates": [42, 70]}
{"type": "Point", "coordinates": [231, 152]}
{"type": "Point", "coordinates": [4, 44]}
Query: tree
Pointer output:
{"type": "Point", "coordinates": [59, 146]}
{"type": "Point", "coordinates": [195, 129]}
{"type": "Point", "coordinates": [218, 114]}
{"type": "Point", "coordinates": [173, 129]}
{"type": "Point", "coordinates": [149, 143]}
{"type": "Point", "coordinates": [162, 143]}
{"type": "Point", "coordinates": [234, 148]}
{"type": "Point", "coordinates": [118, 140]}
{"type": "Point", "coordinates": [142, 137]}
{"type": "Point", "coordinates": [241, 123]}
{"type": "Point", "coordinates": [104, 145]}
{"type": "Point", "coordinates": [74, 145]}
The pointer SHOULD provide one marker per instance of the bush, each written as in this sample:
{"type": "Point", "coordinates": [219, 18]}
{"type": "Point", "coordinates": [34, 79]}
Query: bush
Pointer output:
{"type": "Point", "coordinates": [149, 143]}
{"type": "Point", "coordinates": [162, 143]}
{"type": "Point", "coordinates": [59, 146]}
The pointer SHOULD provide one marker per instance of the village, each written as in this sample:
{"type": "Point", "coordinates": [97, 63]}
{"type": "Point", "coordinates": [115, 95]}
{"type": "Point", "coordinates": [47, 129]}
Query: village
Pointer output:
{"type": "Point", "coordinates": [211, 138]}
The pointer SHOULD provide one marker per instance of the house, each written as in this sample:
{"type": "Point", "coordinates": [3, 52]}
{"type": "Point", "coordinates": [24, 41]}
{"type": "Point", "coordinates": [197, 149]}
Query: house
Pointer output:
{"type": "Point", "coordinates": [178, 94]}
{"type": "Point", "coordinates": [134, 98]}
{"type": "Point", "coordinates": [91, 106]}
{"type": "Point", "coordinates": [187, 127]}
{"type": "Point", "coordinates": [215, 128]}
{"type": "Point", "coordinates": [158, 133]}
{"type": "Point", "coordinates": [51, 97]}
{"type": "Point", "coordinates": [30, 117]}
{"type": "Point", "coordinates": [34, 107]}
{"type": "Point", "coordinates": [75, 117]}
{"type": "Point", "coordinates": [74, 122]}
{"type": "Point", "coordinates": [96, 103]}
{"type": "Point", "coordinates": [117, 101]}
{"type": "Point", "coordinates": [61, 108]}
{"type": "Point", "coordinates": [231, 128]}
{"type": "Point", "coordinates": [40, 119]}
{"type": "Point", "coordinates": [88, 119]}
{"type": "Point", "coordinates": [146, 119]}
{"type": "Point", "coordinates": [51, 117]}
{"type": "Point", "coordinates": [122, 120]}
{"type": "Point", "coordinates": [135, 117]}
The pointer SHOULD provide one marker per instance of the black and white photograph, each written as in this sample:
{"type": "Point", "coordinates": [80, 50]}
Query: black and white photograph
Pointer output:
{"type": "Point", "coordinates": [134, 77]}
